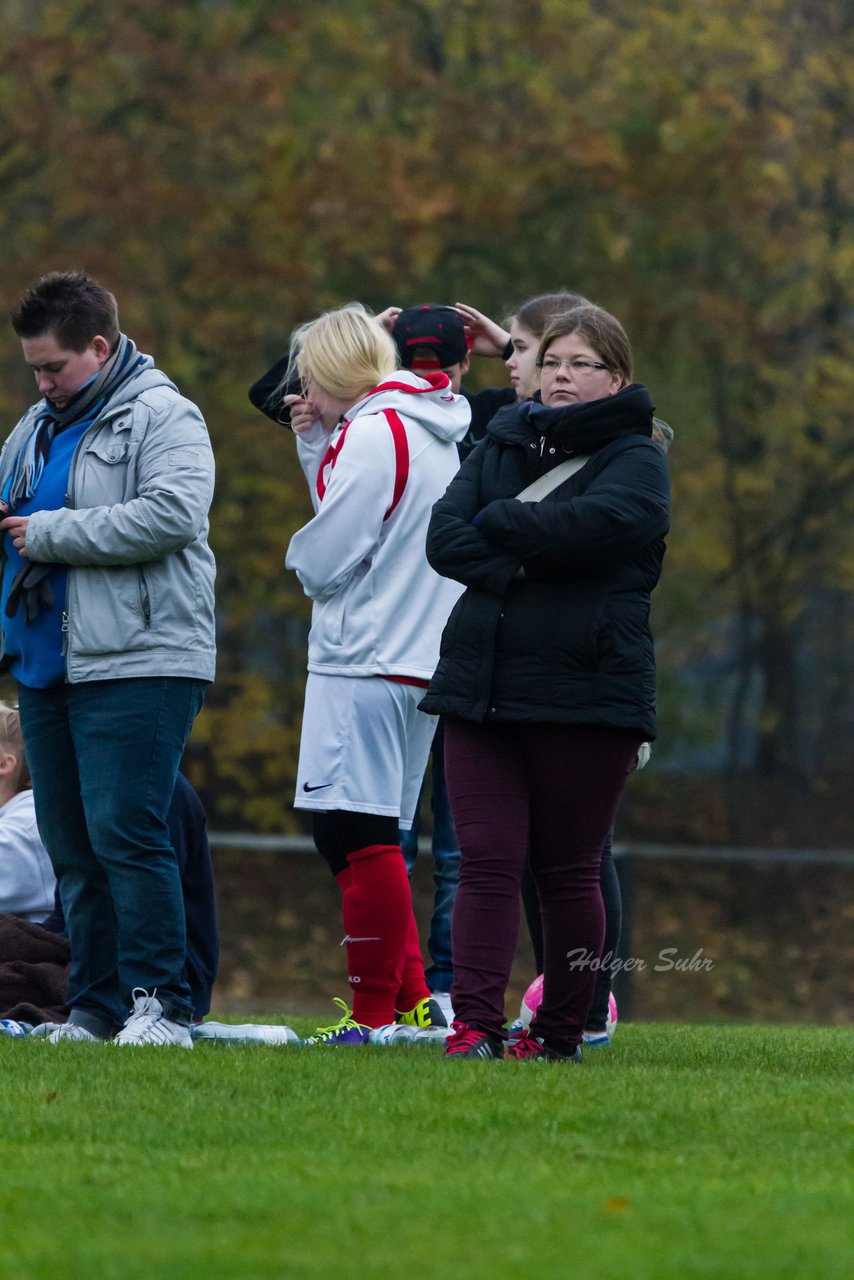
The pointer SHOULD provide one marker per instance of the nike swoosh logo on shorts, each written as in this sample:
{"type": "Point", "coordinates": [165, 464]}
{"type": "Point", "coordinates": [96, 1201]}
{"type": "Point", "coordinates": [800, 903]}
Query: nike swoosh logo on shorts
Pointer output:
{"type": "Point", "coordinates": [306, 787]}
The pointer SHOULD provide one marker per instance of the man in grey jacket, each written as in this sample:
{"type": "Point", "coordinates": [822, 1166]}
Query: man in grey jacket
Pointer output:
{"type": "Point", "coordinates": [107, 616]}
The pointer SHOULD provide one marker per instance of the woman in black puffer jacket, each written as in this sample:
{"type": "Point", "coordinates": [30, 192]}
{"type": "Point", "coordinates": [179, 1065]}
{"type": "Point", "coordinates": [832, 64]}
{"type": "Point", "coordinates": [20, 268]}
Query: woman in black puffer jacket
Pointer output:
{"type": "Point", "coordinates": [547, 674]}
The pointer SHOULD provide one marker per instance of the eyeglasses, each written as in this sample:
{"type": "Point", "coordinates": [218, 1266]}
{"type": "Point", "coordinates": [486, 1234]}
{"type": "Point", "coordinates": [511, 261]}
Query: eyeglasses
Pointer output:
{"type": "Point", "coordinates": [550, 364]}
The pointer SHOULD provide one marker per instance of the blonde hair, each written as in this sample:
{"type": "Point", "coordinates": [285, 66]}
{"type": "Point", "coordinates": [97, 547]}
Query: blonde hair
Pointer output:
{"type": "Point", "coordinates": [13, 740]}
{"type": "Point", "coordinates": [346, 352]}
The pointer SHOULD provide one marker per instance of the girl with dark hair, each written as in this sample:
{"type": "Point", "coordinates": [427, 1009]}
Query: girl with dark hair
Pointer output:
{"type": "Point", "coordinates": [516, 343]}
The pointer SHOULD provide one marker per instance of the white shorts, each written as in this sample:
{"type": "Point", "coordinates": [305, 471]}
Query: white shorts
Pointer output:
{"type": "Point", "coordinates": [364, 746]}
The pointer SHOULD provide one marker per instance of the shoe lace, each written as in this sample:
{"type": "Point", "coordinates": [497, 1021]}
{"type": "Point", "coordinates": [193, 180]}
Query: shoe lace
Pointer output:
{"type": "Point", "coordinates": [69, 1031]}
{"type": "Point", "coordinates": [464, 1038]}
{"type": "Point", "coordinates": [327, 1033]}
{"type": "Point", "coordinates": [142, 1006]}
{"type": "Point", "coordinates": [526, 1046]}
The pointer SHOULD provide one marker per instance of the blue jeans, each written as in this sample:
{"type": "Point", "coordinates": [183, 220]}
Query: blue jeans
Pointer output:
{"type": "Point", "coordinates": [446, 871]}
{"type": "Point", "coordinates": [103, 757]}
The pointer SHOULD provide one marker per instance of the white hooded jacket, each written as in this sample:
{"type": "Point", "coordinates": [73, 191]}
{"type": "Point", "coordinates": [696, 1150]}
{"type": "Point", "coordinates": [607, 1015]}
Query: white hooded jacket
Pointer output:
{"type": "Point", "coordinates": [379, 609]}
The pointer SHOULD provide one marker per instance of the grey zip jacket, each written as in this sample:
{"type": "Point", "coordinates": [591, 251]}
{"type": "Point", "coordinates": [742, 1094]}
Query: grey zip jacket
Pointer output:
{"type": "Point", "coordinates": [134, 535]}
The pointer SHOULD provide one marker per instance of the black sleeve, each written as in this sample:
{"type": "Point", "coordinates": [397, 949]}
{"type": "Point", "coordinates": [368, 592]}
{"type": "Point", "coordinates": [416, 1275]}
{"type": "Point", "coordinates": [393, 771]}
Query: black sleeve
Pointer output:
{"type": "Point", "coordinates": [456, 548]}
{"type": "Point", "coordinates": [484, 406]}
{"type": "Point", "coordinates": [263, 392]}
{"type": "Point", "coordinates": [625, 505]}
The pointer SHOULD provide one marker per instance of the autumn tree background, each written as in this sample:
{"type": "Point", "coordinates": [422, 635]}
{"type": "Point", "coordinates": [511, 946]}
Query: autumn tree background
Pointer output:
{"type": "Point", "coordinates": [231, 167]}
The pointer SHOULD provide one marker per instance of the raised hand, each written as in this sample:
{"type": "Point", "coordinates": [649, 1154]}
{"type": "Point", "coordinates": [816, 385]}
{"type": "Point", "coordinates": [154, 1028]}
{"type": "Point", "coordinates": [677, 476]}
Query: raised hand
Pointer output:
{"type": "Point", "coordinates": [303, 413]}
{"type": "Point", "coordinates": [487, 337]}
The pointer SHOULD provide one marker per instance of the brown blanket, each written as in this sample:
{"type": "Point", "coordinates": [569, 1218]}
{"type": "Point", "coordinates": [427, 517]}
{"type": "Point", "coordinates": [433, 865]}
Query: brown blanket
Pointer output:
{"type": "Point", "coordinates": [33, 972]}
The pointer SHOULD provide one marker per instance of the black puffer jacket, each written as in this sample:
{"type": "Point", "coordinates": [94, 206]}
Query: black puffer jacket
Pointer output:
{"type": "Point", "coordinates": [568, 642]}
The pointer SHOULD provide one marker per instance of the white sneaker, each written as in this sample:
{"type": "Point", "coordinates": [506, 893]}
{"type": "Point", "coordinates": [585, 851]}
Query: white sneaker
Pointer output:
{"type": "Point", "coordinates": [45, 1030]}
{"type": "Point", "coordinates": [147, 1024]}
{"type": "Point", "coordinates": [71, 1031]}
{"type": "Point", "coordinates": [599, 1039]}
{"type": "Point", "coordinates": [443, 1000]}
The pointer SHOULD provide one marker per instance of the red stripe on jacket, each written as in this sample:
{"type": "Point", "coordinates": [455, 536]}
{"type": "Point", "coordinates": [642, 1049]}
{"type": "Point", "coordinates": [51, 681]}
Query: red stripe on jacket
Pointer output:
{"type": "Point", "coordinates": [401, 458]}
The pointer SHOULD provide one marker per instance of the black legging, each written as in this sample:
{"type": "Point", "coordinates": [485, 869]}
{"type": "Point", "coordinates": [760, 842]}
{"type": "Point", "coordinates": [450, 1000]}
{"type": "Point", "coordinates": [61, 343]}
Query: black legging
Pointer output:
{"type": "Point", "coordinates": [338, 832]}
{"type": "Point", "coordinates": [609, 882]}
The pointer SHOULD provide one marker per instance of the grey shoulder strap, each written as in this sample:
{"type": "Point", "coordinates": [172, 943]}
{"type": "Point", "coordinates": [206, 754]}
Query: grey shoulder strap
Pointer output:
{"type": "Point", "coordinates": [552, 479]}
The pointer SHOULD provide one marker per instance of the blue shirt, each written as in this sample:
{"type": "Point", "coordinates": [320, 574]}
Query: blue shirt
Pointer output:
{"type": "Point", "coordinates": [34, 649]}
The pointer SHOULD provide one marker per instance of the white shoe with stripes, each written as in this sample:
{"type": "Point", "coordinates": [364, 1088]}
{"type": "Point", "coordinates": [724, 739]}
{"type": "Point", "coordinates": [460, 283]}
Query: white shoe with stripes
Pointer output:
{"type": "Point", "coordinates": [148, 1024]}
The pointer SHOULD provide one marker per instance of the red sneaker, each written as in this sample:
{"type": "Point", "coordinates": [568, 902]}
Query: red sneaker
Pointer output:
{"type": "Point", "coordinates": [528, 1048]}
{"type": "Point", "coordinates": [468, 1042]}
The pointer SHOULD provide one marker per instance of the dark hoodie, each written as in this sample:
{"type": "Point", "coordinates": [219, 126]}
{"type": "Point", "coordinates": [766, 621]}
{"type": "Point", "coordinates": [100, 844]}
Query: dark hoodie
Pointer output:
{"type": "Point", "coordinates": [569, 641]}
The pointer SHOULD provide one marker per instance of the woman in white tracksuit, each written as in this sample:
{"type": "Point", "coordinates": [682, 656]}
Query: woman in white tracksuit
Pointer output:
{"type": "Point", "coordinates": [378, 448]}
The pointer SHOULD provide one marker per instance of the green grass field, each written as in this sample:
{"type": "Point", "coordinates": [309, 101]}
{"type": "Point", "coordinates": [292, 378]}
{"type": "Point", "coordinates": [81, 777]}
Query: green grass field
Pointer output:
{"type": "Point", "coordinates": [679, 1152]}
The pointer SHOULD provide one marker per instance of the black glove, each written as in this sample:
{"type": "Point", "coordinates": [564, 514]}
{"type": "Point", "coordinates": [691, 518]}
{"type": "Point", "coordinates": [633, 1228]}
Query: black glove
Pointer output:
{"type": "Point", "coordinates": [31, 584]}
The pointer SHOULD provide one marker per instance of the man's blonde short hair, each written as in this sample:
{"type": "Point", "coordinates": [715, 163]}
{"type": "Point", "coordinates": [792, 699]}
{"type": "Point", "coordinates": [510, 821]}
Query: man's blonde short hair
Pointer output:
{"type": "Point", "coordinates": [11, 739]}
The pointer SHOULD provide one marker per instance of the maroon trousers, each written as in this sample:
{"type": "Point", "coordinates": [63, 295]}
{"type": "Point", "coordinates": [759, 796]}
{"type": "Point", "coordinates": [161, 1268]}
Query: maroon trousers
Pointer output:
{"type": "Point", "coordinates": [551, 791]}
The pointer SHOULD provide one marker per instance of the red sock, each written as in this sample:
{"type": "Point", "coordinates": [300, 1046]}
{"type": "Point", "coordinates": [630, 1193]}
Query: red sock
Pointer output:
{"type": "Point", "coordinates": [413, 984]}
{"type": "Point", "coordinates": [376, 909]}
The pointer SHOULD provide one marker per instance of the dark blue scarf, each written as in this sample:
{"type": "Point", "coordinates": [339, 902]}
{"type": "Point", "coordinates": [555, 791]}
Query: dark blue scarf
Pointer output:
{"type": "Point", "coordinates": [89, 401]}
{"type": "Point", "coordinates": [591, 424]}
